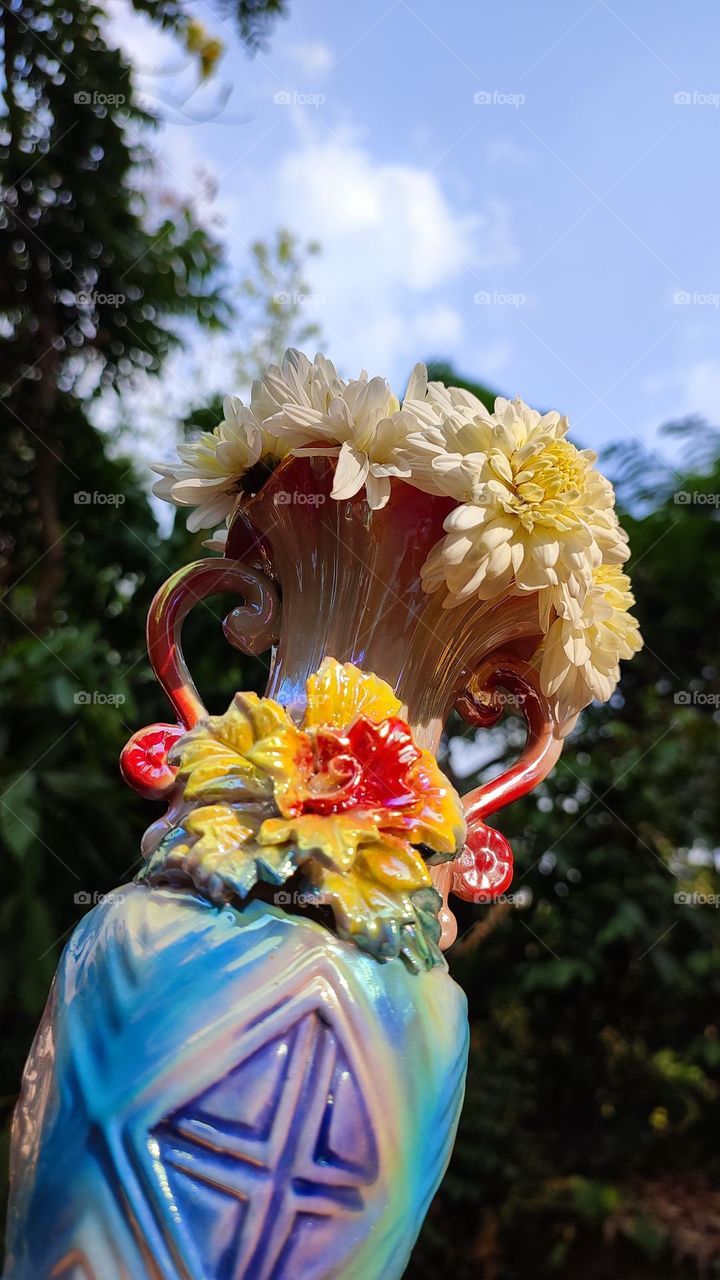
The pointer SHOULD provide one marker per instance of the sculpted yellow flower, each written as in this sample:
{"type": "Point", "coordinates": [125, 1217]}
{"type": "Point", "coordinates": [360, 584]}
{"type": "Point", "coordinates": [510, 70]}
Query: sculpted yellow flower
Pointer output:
{"type": "Point", "coordinates": [587, 636]}
{"type": "Point", "coordinates": [534, 511]}
{"type": "Point", "coordinates": [346, 797]}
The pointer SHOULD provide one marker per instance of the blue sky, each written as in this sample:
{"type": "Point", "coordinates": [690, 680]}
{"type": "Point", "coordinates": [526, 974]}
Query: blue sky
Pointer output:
{"type": "Point", "coordinates": [528, 190]}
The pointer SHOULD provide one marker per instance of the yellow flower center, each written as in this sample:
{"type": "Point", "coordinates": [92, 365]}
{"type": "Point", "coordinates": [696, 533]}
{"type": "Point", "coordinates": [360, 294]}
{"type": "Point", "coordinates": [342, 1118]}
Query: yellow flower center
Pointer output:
{"type": "Point", "coordinates": [545, 485]}
{"type": "Point", "coordinates": [558, 470]}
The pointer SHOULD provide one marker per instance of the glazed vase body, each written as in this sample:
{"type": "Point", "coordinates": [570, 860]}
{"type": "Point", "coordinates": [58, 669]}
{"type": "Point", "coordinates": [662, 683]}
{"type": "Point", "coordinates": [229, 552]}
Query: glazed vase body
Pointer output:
{"type": "Point", "coordinates": [217, 1094]}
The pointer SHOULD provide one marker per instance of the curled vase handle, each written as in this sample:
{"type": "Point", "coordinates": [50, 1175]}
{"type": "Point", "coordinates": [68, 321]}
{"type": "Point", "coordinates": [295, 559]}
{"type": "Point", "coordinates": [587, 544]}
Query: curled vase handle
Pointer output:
{"type": "Point", "coordinates": [484, 868]}
{"type": "Point", "coordinates": [250, 627]}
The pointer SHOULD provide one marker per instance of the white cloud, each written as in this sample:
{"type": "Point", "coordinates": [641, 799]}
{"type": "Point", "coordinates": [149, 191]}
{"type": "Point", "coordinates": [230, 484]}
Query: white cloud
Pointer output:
{"type": "Point", "coordinates": [394, 212]}
{"type": "Point", "coordinates": [151, 50]}
{"type": "Point", "coordinates": [313, 58]}
{"type": "Point", "coordinates": [401, 255]}
{"type": "Point", "coordinates": [393, 247]}
{"type": "Point", "coordinates": [398, 265]}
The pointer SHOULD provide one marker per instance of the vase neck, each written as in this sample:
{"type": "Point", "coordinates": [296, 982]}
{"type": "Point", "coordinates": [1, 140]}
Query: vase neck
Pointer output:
{"type": "Point", "coordinates": [350, 582]}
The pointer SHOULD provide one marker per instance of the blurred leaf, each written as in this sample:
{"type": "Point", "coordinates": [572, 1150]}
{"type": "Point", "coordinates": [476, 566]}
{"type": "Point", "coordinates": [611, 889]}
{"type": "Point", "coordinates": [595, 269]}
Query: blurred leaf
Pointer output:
{"type": "Point", "coordinates": [19, 819]}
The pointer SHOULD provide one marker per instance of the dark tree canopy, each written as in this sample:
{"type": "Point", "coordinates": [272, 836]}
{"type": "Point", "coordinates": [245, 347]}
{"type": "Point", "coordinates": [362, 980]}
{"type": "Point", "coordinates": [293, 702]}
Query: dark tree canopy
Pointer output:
{"type": "Point", "coordinates": [101, 270]}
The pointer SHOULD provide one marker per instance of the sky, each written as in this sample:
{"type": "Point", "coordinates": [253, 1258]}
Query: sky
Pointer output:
{"type": "Point", "coordinates": [528, 191]}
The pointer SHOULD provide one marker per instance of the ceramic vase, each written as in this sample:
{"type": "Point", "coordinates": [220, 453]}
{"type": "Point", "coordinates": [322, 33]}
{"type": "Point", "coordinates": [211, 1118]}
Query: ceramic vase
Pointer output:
{"type": "Point", "coordinates": [229, 1082]}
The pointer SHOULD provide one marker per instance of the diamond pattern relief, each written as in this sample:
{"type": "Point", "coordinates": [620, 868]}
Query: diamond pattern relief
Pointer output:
{"type": "Point", "coordinates": [262, 1163]}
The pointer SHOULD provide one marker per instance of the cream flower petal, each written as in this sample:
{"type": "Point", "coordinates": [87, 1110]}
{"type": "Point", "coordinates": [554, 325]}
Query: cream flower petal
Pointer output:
{"type": "Point", "coordinates": [205, 516]}
{"type": "Point", "coordinates": [533, 515]}
{"type": "Point", "coordinates": [417, 383]}
{"type": "Point", "coordinates": [377, 488]}
{"type": "Point", "coordinates": [591, 631]}
{"type": "Point", "coordinates": [352, 469]}
{"type": "Point", "coordinates": [465, 517]}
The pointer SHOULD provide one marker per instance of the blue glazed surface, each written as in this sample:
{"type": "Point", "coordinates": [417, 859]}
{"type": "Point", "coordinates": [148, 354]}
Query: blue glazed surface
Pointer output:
{"type": "Point", "coordinates": [224, 1095]}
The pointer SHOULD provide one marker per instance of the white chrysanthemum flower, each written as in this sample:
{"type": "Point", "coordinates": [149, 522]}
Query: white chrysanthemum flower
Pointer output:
{"type": "Point", "coordinates": [363, 426]}
{"type": "Point", "coordinates": [456, 449]}
{"type": "Point", "coordinates": [588, 634]}
{"type": "Point", "coordinates": [534, 511]}
{"type": "Point", "coordinates": [432, 403]}
{"type": "Point", "coordinates": [297, 382]}
{"type": "Point", "coordinates": [212, 468]}
{"type": "Point", "coordinates": [533, 515]}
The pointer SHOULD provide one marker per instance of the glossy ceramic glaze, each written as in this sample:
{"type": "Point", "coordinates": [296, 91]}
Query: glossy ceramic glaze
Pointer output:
{"type": "Point", "coordinates": [216, 1095]}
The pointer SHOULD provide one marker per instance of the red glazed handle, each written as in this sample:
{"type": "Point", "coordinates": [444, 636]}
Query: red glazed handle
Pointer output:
{"type": "Point", "coordinates": [484, 869]}
{"type": "Point", "coordinates": [143, 761]}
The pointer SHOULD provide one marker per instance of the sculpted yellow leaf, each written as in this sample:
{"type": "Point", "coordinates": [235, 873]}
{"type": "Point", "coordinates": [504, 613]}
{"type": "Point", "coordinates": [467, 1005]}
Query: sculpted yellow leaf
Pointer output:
{"type": "Point", "coordinates": [264, 715]}
{"type": "Point", "coordinates": [221, 828]}
{"type": "Point", "coordinates": [285, 755]}
{"type": "Point", "coordinates": [238, 755]}
{"type": "Point", "coordinates": [364, 910]}
{"type": "Point", "coordinates": [339, 692]}
{"type": "Point", "coordinates": [393, 864]}
{"type": "Point", "coordinates": [343, 800]}
{"type": "Point", "coordinates": [214, 771]}
{"type": "Point", "coordinates": [216, 848]}
{"type": "Point", "coordinates": [333, 840]}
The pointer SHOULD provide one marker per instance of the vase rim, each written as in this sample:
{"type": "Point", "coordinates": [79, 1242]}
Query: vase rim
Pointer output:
{"type": "Point", "coordinates": [247, 541]}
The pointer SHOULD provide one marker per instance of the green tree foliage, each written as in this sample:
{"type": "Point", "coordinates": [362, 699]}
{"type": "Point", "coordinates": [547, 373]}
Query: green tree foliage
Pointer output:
{"type": "Point", "coordinates": [99, 272]}
{"type": "Point", "coordinates": [95, 274]}
{"type": "Point", "coordinates": [273, 297]}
